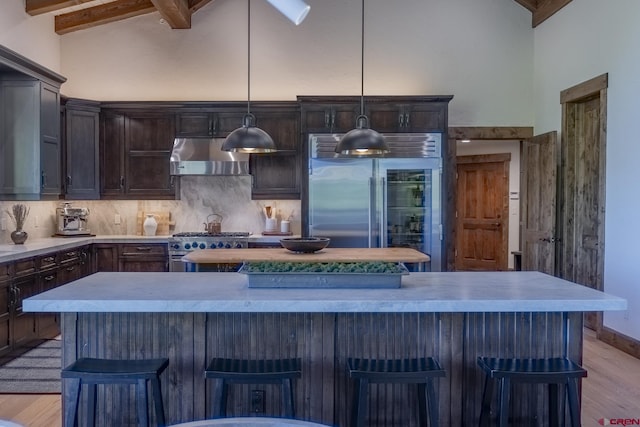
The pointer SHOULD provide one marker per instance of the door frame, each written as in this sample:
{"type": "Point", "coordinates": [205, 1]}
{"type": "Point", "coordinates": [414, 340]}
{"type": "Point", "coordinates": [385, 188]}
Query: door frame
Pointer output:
{"type": "Point", "coordinates": [450, 195]}
{"type": "Point", "coordinates": [505, 159]}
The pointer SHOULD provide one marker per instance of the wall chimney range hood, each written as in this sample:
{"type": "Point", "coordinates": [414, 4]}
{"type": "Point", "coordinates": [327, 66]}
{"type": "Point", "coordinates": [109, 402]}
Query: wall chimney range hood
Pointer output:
{"type": "Point", "coordinates": [204, 156]}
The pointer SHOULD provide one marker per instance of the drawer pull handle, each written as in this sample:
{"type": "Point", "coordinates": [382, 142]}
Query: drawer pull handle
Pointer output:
{"type": "Point", "coordinates": [49, 259]}
{"type": "Point", "coordinates": [143, 248]}
{"type": "Point", "coordinates": [71, 254]}
{"type": "Point", "coordinates": [49, 278]}
{"type": "Point", "coordinates": [71, 268]}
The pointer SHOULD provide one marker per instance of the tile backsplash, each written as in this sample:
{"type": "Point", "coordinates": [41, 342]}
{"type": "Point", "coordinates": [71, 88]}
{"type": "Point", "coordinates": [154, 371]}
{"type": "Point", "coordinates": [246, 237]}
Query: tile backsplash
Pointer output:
{"type": "Point", "coordinates": [229, 196]}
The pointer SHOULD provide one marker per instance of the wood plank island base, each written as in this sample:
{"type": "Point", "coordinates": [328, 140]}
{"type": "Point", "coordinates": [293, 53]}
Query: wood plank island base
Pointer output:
{"type": "Point", "coordinates": [193, 317]}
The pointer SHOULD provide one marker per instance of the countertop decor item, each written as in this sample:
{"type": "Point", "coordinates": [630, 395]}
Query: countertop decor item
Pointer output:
{"type": "Point", "coordinates": [20, 214]}
{"type": "Point", "coordinates": [150, 225]}
{"type": "Point", "coordinates": [305, 244]}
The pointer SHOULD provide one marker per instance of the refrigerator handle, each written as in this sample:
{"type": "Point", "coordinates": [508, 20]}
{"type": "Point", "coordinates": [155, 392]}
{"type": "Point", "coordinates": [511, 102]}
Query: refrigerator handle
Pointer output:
{"type": "Point", "coordinates": [371, 200]}
{"type": "Point", "coordinates": [383, 220]}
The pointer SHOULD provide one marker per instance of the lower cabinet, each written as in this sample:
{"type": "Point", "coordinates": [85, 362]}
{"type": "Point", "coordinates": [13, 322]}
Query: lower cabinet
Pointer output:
{"type": "Point", "coordinates": [131, 257]}
{"type": "Point", "coordinates": [6, 300]}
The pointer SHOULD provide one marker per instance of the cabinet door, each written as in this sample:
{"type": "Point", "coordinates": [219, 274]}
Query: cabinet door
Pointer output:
{"type": "Point", "coordinates": [6, 302]}
{"type": "Point", "coordinates": [111, 154]}
{"type": "Point", "coordinates": [386, 117]}
{"type": "Point", "coordinates": [148, 143]}
{"type": "Point", "coordinates": [48, 325]}
{"type": "Point", "coordinates": [24, 324]}
{"type": "Point", "coordinates": [105, 257]}
{"type": "Point", "coordinates": [82, 168]}
{"type": "Point", "coordinates": [195, 124]}
{"type": "Point", "coordinates": [50, 140]}
{"type": "Point", "coordinates": [426, 117]}
{"type": "Point", "coordinates": [329, 118]}
{"type": "Point", "coordinates": [227, 121]}
{"type": "Point", "coordinates": [278, 175]}
{"type": "Point", "coordinates": [144, 257]}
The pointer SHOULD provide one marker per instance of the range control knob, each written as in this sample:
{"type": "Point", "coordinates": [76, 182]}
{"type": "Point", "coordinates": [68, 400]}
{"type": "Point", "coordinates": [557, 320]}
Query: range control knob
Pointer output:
{"type": "Point", "coordinates": [228, 246]}
{"type": "Point", "coordinates": [238, 246]}
{"type": "Point", "coordinates": [220, 245]}
{"type": "Point", "coordinates": [187, 246]}
{"type": "Point", "coordinates": [176, 246]}
{"type": "Point", "coordinates": [213, 246]}
{"type": "Point", "coordinates": [202, 246]}
{"type": "Point", "coordinates": [195, 245]}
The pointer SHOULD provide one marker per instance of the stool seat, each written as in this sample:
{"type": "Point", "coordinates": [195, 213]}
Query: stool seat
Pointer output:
{"type": "Point", "coordinates": [93, 371]}
{"type": "Point", "coordinates": [245, 371]}
{"type": "Point", "coordinates": [551, 371]}
{"type": "Point", "coordinates": [420, 371]}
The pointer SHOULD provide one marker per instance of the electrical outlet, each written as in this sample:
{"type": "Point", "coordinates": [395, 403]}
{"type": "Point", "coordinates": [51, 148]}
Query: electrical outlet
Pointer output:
{"type": "Point", "coordinates": [3, 224]}
{"type": "Point", "coordinates": [36, 222]}
{"type": "Point", "coordinates": [257, 402]}
{"type": "Point", "coordinates": [116, 219]}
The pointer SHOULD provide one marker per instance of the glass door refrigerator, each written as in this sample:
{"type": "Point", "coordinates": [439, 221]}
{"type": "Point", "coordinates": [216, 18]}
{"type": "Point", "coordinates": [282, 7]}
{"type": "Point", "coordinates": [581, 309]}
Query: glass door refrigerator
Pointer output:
{"type": "Point", "coordinates": [378, 202]}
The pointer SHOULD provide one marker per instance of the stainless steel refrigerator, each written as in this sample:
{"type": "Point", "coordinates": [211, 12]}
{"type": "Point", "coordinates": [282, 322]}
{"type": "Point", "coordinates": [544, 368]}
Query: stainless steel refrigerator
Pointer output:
{"type": "Point", "coordinates": [378, 202]}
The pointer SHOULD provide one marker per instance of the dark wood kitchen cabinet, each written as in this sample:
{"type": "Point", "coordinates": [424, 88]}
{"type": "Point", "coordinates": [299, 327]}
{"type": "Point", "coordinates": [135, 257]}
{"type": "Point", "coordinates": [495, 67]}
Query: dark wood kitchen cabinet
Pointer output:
{"type": "Point", "coordinates": [402, 116]}
{"type": "Point", "coordinates": [81, 165]}
{"type": "Point", "coordinates": [130, 257]}
{"type": "Point", "coordinates": [328, 115]}
{"type": "Point", "coordinates": [278, 175]}
{"type": "Point", "coordinates": [135, 147]}
{"type": "Point", "coordinates": [208, 123]}
{"type": "Point", "coordinates": [6, 307]}
{"type": "Point", "coordinates": [25, 284]}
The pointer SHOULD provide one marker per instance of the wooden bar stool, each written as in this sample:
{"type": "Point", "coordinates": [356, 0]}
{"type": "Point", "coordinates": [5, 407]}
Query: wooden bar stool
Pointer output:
{"type": "Point", "coordinates": [240, 371]}
{"type": "Point", "coordinates": [111, 371]}
{"type": "Point", "coordinates": [554, 371]}
{"type": "Point", "coordinates": [420, 371]}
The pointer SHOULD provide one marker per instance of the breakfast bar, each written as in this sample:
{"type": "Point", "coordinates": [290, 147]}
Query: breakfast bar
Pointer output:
{"type": "Point", "coordinates": [192, 317]}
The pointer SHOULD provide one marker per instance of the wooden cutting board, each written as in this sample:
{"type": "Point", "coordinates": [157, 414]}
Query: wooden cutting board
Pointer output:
{"type": "Point", "coordinates": [214, 256]}
{"type": "Point", "coordinates": [165, 224]}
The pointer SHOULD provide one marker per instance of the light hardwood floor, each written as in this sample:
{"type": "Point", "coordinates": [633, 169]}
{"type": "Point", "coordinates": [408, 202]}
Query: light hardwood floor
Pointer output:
{"type": "Point", "coordinates": [612, 390]}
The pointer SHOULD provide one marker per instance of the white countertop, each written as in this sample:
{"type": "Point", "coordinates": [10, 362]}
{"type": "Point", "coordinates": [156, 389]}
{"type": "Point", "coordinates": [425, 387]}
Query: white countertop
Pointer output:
{"type": "Point", "coordinates": [228, 292]}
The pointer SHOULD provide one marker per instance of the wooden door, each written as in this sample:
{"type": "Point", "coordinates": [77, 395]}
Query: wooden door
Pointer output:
{"type": "Point", "coordinates": [583, 175]}
{"type": "Point", "coordinates": [482, 212]}
{"type": "Point", "coordinates": [538, 170]}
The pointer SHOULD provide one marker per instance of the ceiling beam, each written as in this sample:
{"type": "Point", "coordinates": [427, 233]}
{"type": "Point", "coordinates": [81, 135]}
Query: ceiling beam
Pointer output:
{"type": "Point", "coordinates": [37, 7]}
{"type": "Point", "coordinates": [175, 12]}
{"type": "Point", "coordinates": [531, 5]}
{"type": "Point", "coordinates": [195, 5]}
{"type": "Point", "coordinates": [546, 9]}
{"type": "Point", "coordinates": [101, 14]}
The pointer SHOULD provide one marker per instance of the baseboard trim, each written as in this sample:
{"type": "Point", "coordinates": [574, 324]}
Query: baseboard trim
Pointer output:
{"type": "Point", "coordinates": [620, 341]}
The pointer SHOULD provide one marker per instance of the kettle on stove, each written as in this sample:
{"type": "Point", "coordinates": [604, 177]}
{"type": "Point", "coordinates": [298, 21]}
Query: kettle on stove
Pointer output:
{"type": "Point", "coordinates": [214, 226]}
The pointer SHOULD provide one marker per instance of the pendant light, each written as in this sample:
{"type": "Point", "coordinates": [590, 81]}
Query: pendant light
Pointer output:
{"type": "Point", "coordinates": [294, 10]}
{"type": "Point", "coordinates": [249, 138]}
{"type": "Point", "coordinates": [362, 141]}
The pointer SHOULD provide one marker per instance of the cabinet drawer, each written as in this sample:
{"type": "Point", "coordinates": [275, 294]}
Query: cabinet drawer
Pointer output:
{"type": "Point", "coordinates": [47, 261]}
{"type": "Point", "coordinates": [26, 266]}
{"type": "Point", "coordinates": [143, 250]}
{"type": "Point", "coordinates": [72, 255]}
{"type": "Point", "coordinates": [4, 272]}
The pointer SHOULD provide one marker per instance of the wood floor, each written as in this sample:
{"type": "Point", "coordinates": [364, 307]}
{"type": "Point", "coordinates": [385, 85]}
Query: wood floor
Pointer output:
{"type": "Point", "coordinates": [612, 390]}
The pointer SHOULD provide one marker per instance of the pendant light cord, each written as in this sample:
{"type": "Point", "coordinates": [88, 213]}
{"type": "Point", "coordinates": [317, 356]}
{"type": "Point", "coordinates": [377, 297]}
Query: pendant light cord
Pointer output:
{"type": "Point", "coordinates": [362, 62]}
{"type": "Point", "coordinates": [248, 56]}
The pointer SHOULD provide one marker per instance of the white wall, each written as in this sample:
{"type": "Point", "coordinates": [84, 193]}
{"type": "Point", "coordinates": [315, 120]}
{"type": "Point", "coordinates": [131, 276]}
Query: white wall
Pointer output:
{"type": "Point", "coordinates": [498, 147]}
{"type": "Point", "coordinates": [481, 51]}
{"type": "Point", "coordinates": [30, 36]}
{"type": "Point", "coordinates": [585, 39]}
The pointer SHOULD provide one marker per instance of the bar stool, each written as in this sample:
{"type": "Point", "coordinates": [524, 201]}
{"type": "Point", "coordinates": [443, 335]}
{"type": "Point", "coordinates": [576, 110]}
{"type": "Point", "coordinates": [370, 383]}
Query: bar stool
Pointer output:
{"type": "Point", "coordinates": [239, 371]}
{"type": "Point", "coordinates": [554, 371]}
{"type": "Point", "coordinates": [110, 371]}
{"type": "Point", "coordinates": [420, 371]}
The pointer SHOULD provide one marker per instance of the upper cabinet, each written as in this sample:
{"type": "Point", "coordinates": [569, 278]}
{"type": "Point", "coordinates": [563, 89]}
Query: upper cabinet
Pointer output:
{"type": "Point", "coordinates": [328, 114]}
{"type": "Point", "coordinates": [80, 163]}
{"type": "Point", "coordinates": [29, 129]}
{"type": "Point", "coordinates": [135, 146]}
{"type": "Point", "coordinates": [402, 117]}
{"type": "Point", "coordinates": [207, 122]}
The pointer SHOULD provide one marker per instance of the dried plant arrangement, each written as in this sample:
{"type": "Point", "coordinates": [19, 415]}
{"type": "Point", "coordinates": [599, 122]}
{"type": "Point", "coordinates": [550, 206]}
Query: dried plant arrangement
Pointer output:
{"type": "Point", "coordinates": [20, 214]}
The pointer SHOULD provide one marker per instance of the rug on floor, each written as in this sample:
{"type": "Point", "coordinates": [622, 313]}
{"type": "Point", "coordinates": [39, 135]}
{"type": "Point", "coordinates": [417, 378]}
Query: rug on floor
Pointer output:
{"type": "Point", "coordinates": [35, 371]}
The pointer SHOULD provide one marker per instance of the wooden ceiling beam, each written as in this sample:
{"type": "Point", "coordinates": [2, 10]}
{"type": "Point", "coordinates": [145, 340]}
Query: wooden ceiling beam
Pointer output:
{"type": "Point", "coordinates": [175, 12]}
{"type": "Point", "coordinates": [102, 14]}
{"type": "Point", "coordinates": [546, 9]}
{"type": "Point", "coordinates": [37, 7]}
{"type": "Point", "coordinates": [531, 5]}
{"type": "Point", "coordinates": [195, 5]}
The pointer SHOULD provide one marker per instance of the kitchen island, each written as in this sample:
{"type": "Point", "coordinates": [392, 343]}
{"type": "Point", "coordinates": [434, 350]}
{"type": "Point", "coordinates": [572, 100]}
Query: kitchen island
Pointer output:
{"type": "Point", "coordinates": [192, 317]}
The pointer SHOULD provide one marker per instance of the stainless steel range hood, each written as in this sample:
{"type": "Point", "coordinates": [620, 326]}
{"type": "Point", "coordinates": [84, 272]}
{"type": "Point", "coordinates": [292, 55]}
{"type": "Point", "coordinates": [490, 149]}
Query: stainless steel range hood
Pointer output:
{"type": "Point", "coordinates": [204, 156]}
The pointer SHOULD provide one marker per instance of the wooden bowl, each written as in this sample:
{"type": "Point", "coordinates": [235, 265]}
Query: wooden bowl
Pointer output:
{"type": "Point", "coordinates": [305, 244]}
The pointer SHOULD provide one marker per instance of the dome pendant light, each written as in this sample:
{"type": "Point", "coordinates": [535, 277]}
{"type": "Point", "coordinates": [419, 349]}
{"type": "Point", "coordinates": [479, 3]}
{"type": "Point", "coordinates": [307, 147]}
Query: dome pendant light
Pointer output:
{"type": "Point", "coordinates": [362, 141]}
{"type": "Point", "coordinates": [249, 138]}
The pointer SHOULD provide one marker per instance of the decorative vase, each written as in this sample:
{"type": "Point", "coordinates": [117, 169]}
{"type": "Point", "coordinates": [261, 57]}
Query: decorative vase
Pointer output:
{"type": "Point", "coordinates": [19, 237]}
{"type": "Point", "coordinates": [150, 225]}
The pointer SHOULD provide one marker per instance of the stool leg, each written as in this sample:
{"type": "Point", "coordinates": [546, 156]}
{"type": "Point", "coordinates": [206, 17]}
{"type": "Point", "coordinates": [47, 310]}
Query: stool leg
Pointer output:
{"type": "Point", "coordinates": [574, 402]}
{"type": "Point", "coordinates": [287, 398]}
{"type": "Point", "coordinates": [554, 412]}
{"type": "Point", "coordinates": [72, 397]}
{"type": "Point", "coordinates": [485, 411]}
{"type": "Point", "coordinates": [219, 402]}
{"type": "Point", "coordinates": [433, 403]}
{"type": "Point", "coordinates": [503, 411]}
{"type": "Point", "coordinates": [422, 405]}
{"type": "Point", "coordinates": [91, 400]}
{"type": "Point", "coordinates": [360, 401]}
{"type": "Point", "coordinates": [141, 398]}
{"type": "Point", "coordinates": [157, 401]}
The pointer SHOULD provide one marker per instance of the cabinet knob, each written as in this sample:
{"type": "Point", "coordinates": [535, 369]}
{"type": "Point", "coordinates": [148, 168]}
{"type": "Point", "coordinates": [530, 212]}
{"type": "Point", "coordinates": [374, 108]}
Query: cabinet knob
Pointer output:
{"type": "Point", "coordinates": [401, 120]}
{"type": "Point", "coordinates": [69, 180]}
{"type": "Point", "coordinates": [327, 118]}
{"type": "Point", "coordinates": [43, 179]}
{"type": "Point", "coordinates": [406, 120]}
{"type": "Point", "coordinates": [122, 182]}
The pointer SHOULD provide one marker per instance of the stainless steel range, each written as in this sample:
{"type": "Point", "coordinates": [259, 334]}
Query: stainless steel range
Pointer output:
{"type": "Point", "coordinates": [181, 244]}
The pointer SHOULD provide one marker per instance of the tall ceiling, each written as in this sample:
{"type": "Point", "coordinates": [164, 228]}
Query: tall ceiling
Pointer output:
{"type": "Point", "coordinates": [75, 15]}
